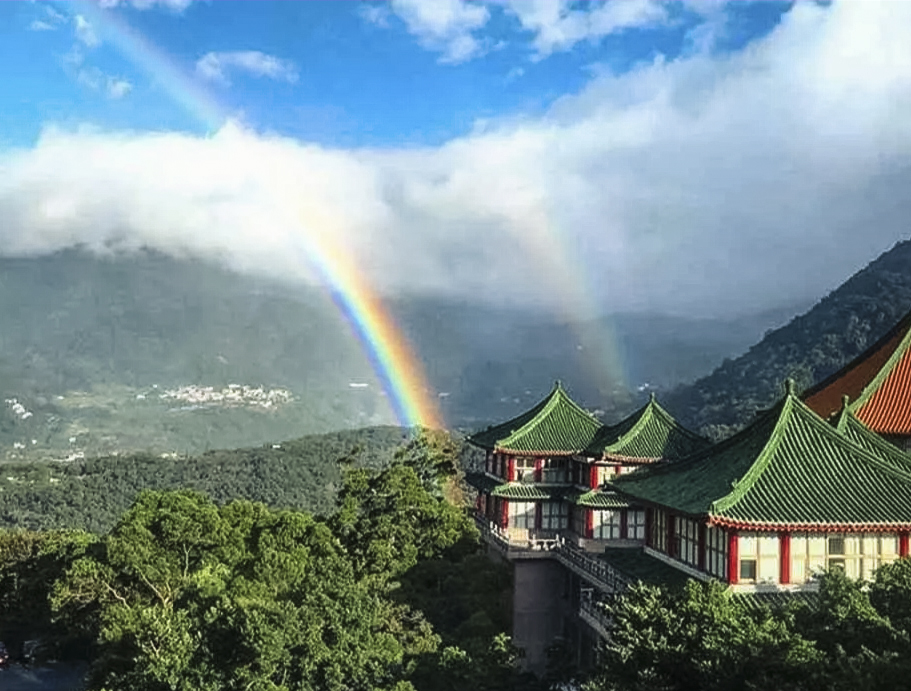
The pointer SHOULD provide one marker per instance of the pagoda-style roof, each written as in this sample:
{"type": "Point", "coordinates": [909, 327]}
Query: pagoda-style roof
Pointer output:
{"type": "Point", "coordinates": [515, 491]}
{"type": "Point", "coordinates": [647, 435]}
{"type": "Point", "coordinates": [598, 499]}
{"type": "Point", "coordinates": [877, 382]}
{"type": "Point", "coordinates": [848, 424]}
{"type": "Point", "coordinates": [789, 469]}
{"type": "Point", "coordinates": [556, 426]}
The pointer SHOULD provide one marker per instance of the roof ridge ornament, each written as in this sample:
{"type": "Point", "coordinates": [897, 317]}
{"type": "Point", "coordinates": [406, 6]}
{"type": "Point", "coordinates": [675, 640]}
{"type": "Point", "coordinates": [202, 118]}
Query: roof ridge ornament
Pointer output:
{"type": "Point", "coordinates": [789, 387]}
{"type": "Point", "coordinates": [845, 401]}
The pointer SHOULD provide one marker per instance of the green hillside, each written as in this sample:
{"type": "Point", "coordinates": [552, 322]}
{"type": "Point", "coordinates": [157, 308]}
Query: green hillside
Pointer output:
{"type": "Point", "coordinates": [809, 348]}
{"type": "Point", "coordinates": [91, 493]}
{"type": "Point", "coordinates": [127, 352]}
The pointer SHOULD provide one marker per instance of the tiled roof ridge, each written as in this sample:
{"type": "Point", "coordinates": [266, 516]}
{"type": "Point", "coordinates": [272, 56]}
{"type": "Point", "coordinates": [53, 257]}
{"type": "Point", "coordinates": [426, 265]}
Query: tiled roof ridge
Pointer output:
{"type": "Point", "coordinates": [743, 484]}
{"type": "Point", "coordinates": [661, 412]}
{"type": "Point", "coordinates": [847, 419]}
{"type": "Point", "coordinates": [510, 425]}
{"type": "Point", "coordinates": [903, 324]}
{"type": "Point", "coordinates": [694, 458]}
{"type": "Point", "coordinates": [652, 410]}
{"type": "Point", "coordinates": [641, 421]}
{"type": "Point", "coordinates": [558, 396]}
{"type": "Point", "coordinates": [886, 369]}
{"type": "Point", "coordinates": [792, 408]}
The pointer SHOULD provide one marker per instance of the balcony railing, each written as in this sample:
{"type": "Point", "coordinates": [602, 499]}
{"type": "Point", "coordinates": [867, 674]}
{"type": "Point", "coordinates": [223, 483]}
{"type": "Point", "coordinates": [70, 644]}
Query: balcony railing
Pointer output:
{"type": "Point", "coordinates": [593, 613]}
{"type": "Point", "coordinates": [597, 570]}
{"type": "Point", "coordinates": [517, 539]}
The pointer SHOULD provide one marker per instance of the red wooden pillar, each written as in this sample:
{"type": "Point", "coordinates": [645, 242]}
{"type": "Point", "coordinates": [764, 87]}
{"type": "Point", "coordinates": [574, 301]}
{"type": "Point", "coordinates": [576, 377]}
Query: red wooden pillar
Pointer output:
{"type": "Point", "coordinates": [539, 469]}
{"type": "Point", "coordinates": [733, 558]}
{"type": "Point", "coordinates": [504, 513]}
{"type": "Point", "coordinates": [589, 523]}
{"type": "Point", "coordinates": [617, 469]}
{"type": "Point", "coordinates": [624, 524]}
{"type": "Point", "coordinates": [903, 543]}
{"type": "Point", "coordinates": [784, 557]}
{"type": "Point", "coordinates": [701, 548]}
{"type": "Point", "coordinates": [593, 477]}
{"type": "Point", "coordinates": [511, 471]}
{"type": "Point", "coordinates": [671, 547]}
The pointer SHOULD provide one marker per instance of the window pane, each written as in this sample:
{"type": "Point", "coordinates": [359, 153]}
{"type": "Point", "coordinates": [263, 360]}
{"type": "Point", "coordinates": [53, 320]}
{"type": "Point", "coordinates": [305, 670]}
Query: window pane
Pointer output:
{"type": "Point", "coordinates": [747, 569]}
{"type": "Point", "coordinates": [837, 545]}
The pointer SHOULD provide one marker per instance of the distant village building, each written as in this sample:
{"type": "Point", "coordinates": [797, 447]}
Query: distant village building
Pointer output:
{"type": "Point", "coordinates": [809, 485]}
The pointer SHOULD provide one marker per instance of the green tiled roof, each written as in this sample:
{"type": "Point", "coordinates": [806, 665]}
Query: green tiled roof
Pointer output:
{"type": "Point", "coordinates": [777, 599]}
{"type": "Point", "coordinates": [598, 499]}
{"type": "Point", "coordinates": [651, 432]}
{"type": "Point", "coordinates": [482, 482]}
{"type": "Point", "coordinates": [639, 566]}
{"type": "Point", "coordinates": [526, 492]}
{"type": "Point", "coordinates": [848, 424]}
{"type": "Point", "coordinates": [517, 491]}
{"type": "Point", "coordinates": [788, 468]}
{"type": "Point", "coordinates": [555, 426]}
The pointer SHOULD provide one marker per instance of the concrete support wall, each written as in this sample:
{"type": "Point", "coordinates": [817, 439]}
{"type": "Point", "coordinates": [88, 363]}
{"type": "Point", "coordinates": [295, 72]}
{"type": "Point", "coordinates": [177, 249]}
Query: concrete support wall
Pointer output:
{"type": "Point", "coordinates": [541, 608]}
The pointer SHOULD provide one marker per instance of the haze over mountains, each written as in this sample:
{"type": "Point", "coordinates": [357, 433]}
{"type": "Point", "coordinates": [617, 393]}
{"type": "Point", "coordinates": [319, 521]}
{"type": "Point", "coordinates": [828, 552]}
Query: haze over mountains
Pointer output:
{"type": "Point", "coordinates": [104, 354]}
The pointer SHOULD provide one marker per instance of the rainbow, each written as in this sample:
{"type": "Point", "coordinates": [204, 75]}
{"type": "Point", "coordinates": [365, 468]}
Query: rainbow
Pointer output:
{"type": "Point", "coordinates": [393, 360]}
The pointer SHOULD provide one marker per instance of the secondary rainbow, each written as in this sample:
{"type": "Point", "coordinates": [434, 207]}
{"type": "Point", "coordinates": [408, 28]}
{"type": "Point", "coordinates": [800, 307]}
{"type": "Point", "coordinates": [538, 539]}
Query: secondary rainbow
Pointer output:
{"type": "Point", "coordinates": [395, 364]}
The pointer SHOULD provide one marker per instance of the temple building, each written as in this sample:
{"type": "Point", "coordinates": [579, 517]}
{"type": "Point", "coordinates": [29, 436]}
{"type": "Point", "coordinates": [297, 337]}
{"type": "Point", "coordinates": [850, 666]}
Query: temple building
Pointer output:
{"type": "Point", "coordinates": [581, 510]}
{"type": "Point", "coordinates": [545, 492]}
{"type": "Point", "coordinates": [878, 386]}
{"type": "Point", "coordinates": [787, 496]}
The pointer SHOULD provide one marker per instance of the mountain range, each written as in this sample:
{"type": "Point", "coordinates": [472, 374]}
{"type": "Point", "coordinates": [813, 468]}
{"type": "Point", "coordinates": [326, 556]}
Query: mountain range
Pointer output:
{"type": "Point", "coordinates": [114, 353]}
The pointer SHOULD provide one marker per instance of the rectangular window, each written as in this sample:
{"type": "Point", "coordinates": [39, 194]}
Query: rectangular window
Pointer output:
{"type": "Point", "coordinates": [554, 515]}
{"type": "Point", "coordinates": [659, 531]}
{"type": "Point", "coordinates": [635, 524]}
{"type": "Point", "coordinates": [580, 473]}
{"type": "Point", "coordinates": [716, 558]}
{"type": "Point", "coordinates": [522, 514]}
{"type": "Point", "coordinates": [525, 469]}
{"type": "Point", "coordinates": [758, 554]}
{"type": "Point", "coordinates": [555, 471]}
{"type": "Point", "coordinates": [686, 535]}
{"type": "Point", "coordinates": [579, 517]}
{"type": "Point", "coordinates": [747, 570]}
{"type": "Point", "coordinates": [857, 554]}
{"type": "Point", "coordinates": [607, 525]}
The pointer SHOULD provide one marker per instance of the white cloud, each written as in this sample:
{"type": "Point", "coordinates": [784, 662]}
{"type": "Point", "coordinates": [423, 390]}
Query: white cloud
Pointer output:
{"type": "Point", "coordinates": [117, 88]}
{"type": "Point", "coordinates": [85, 32]}
{"type": "Point", "coordinates": [51, 21]}
{"type": "Point", "coordinates": [707, 184]}
{"type": "Point", "coordinates": [215, 66]}
{"type": "Point", "coordinates": [557, 25]}
{"type": "Point", "coordinates": [446, 26]}
{"type": "Point", "coordinates": [96, 80]}
{"type": "Point", "coordinates": [173, 5]}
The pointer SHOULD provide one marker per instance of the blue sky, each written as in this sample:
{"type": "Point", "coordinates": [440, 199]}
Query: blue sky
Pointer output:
{"type": "Point", "coordinates": [695, 157]}
{"type": "Point", "coordinates": [349, 73]}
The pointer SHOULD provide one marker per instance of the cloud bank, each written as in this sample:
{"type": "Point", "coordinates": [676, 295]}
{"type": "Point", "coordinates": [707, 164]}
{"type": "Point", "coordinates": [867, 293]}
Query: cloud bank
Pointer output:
{"type": "Point", "coordinates": [708, 185]}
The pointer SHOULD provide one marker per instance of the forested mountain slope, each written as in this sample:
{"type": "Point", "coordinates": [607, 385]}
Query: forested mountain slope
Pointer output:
{"type": "Point", "coordinates": [809, 348]}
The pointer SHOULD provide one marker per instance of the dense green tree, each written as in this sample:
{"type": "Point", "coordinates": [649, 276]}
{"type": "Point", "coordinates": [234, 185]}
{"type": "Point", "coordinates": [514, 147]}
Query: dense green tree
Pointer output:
{"type": "Point", "coordinates": [193, 596]}
{"type": "Point", "coordinates": [30, 564]}
{"type": "Point", "coordinates": [700, 639]}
